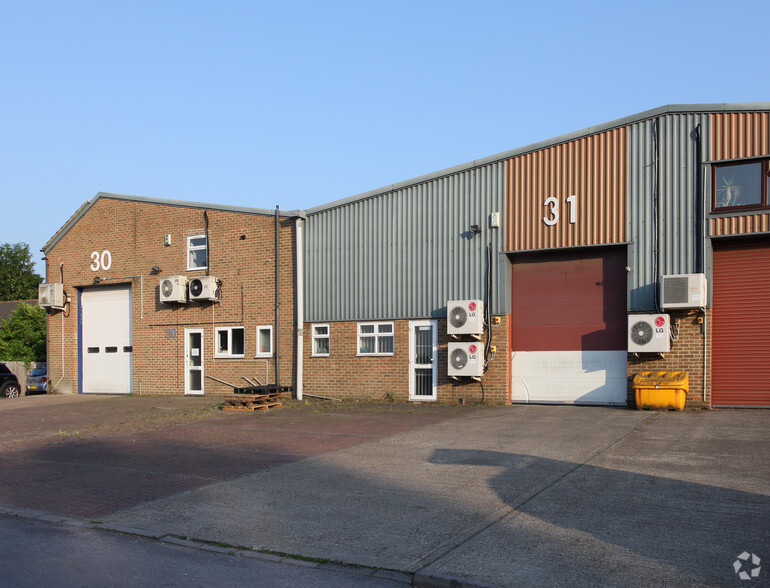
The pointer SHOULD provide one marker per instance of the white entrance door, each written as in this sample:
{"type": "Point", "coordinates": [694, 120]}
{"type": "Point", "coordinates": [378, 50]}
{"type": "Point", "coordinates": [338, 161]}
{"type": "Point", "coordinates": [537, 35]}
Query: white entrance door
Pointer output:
{"type": "Point", "coordinates": [423, 360]}
{"type": "Point", "coordinates": [193, 361]}
{"type": "Point", "coordinates": [105, 345]}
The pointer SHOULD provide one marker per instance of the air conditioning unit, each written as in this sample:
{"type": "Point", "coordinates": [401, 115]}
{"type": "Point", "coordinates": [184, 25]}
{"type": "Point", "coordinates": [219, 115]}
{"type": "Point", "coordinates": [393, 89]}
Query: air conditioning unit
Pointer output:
{"type": "Point", "coordinates": [465, 317]}
{"type": "Point", "coordinates": [466, 359]}
{"type": "Point", "coordinates": [50, 295]}
{"type": "Point", "coordinates": [173, 289]}
{"type": "Point", "coordinates": [648, 333]}
{"type": "Point", "coordinates": [204, 288]}
{"type": "Point", "coordinates": [683, 291]}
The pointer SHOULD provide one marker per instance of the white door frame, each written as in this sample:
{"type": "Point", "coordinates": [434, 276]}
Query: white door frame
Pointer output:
{"type": "Point", "coordinates": [188, 367]}
{"type": "Point", "coordinates": [413, 366]}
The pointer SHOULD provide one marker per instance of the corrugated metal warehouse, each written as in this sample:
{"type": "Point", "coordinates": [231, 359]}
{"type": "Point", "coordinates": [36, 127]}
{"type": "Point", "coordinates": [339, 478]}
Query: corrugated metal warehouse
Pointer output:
{"type": "Point", "coordinates": [552, 273]}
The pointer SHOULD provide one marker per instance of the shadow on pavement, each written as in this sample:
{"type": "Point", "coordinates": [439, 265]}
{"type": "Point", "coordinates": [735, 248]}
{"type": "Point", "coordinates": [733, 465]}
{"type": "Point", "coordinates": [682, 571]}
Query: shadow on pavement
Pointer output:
{"type": "Point", "coordinates": [693, 528]}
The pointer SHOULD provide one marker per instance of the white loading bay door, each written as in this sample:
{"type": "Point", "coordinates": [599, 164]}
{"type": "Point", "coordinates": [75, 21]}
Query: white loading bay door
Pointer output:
{"type": "Point", "coordinates": [105, 347]}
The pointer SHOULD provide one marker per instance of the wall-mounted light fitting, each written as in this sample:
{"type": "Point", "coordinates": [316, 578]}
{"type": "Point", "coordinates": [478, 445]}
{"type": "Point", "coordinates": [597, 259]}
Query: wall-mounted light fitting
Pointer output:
{"type": "Point", "coordinates": [475, 229]}
{"type": "Point", "coordinates": [155, 270]}
{"type": "Point", "coordinates": [97, 279]}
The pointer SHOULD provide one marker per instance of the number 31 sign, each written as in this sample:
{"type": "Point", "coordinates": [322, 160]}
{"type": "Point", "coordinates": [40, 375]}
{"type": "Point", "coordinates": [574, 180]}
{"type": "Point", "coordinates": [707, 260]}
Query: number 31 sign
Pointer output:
{"type": "Point", "coordinates": [553, 213]}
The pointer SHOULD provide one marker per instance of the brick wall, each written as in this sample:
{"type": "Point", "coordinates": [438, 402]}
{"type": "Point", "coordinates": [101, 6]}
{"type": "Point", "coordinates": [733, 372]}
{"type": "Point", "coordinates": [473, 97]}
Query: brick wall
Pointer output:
{"type": "Point", "coordinates": [346, 375]}
{"type": "Point", "coordinates": [686, 355]}
{"type": "Point", "coordinates": [241, 255]}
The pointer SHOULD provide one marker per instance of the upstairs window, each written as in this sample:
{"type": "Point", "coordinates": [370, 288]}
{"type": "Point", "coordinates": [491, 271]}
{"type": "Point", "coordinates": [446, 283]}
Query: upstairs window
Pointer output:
{"type": "Point", "coordinates": [197, 252]}
{"type": "Point", "coordinates": [739, 186]}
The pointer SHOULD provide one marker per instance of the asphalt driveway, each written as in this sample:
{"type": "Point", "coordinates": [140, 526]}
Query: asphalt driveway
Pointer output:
{"type": "Point", "coordinates": [533, 495]}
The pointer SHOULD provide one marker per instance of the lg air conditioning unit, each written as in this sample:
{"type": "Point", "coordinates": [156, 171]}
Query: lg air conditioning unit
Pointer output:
{"type": "Point", "coordinates": [465, 317]}
{"type": "Point", "coordinates": [50, 295]}
{"type": "Point", "coordinates": [648, 333]}
{"type": "Point", "coordinates": [173, 289]}
{"type": "Point", "coordinates": [466, 359]}
{"type": "Point", "coordinates": [204, 288]}
{"type": "Point", "coordinates": [683, 291]}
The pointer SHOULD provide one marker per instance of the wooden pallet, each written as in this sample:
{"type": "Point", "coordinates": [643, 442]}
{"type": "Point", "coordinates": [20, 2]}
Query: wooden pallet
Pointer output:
{"type": "Point", "coordinates": [251, 402]}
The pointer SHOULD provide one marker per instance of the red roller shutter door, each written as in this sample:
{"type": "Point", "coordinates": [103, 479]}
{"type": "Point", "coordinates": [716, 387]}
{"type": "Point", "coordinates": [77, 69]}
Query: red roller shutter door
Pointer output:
{"type": "Point", "coordinates": [568, 327]}
{"type": "Point", "coordinates": [740, 373]}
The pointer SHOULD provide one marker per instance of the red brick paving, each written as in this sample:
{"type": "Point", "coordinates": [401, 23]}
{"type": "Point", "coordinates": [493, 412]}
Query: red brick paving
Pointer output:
{"type": "Point", "coordinates": [89, 457]}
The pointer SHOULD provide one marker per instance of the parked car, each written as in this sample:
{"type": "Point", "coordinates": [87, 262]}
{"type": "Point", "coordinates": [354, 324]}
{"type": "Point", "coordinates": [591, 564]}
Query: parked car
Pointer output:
{"type": "Point", "coordinates": [9, 384]}
{"type": "Point", "coordinates": [37, 381]}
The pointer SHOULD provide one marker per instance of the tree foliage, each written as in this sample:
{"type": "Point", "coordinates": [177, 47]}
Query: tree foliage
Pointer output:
{"type": "Point", "coordinates": [22, 335]}
{"type": "Point", "coordinates": [18, 280]}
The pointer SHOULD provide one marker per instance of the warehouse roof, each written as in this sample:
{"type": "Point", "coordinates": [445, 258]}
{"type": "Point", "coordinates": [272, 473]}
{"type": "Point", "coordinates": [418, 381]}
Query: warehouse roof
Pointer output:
{"type": "Point", "coordinates": [635, 118]}
{"type": "Point", "coordinates": [166, 202]}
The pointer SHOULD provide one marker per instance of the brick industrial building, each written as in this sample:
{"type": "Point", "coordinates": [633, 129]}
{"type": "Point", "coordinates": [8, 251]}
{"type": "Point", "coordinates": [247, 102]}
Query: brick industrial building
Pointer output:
{"type": "Point", "coordinates": [558, 261]}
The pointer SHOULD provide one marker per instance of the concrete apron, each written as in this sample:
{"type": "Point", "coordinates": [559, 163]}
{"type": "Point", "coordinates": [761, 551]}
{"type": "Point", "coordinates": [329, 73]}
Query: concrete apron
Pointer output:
{"type": "Point", "coordinates": [531, 494]}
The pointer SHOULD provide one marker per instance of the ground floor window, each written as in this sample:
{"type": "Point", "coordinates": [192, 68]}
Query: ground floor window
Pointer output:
{"type": "Point", "coordinates": [375, 339]}
{"type": "Point", "coordinates": [229, 342]}
{"type": "Point", "coordinates": [265, 341]}
{"type": "Point", "coordinates": [321, 340]}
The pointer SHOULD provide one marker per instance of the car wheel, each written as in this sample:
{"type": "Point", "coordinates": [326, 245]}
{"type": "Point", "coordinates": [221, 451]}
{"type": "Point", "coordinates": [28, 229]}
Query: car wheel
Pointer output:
{"type": "Point", "coordinates": [10, 390]}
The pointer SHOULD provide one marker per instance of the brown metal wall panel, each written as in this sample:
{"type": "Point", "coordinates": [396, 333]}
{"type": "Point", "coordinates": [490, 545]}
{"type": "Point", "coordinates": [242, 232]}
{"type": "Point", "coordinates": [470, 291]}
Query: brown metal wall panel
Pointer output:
{"type": "Point", "coordinates": [736, 135]}
{"type": "Point", "coordinates": [741, 320]}
{"type": "Point", "coordinates": [740, 225]}
{"type": "Point", "coordinates": [740, 134]}
{"type": "Point", "coordinates": [593, 170]}
{"type": "Point", "coordinates": [569, 300]}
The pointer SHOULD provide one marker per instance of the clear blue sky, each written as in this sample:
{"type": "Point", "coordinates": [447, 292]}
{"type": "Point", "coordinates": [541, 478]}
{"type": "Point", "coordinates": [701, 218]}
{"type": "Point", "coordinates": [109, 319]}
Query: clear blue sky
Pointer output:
{"type": "Point", "coordinates": [299, 103]}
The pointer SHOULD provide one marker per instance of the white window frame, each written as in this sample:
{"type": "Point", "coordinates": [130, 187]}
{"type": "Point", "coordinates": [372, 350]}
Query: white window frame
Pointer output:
{"type": "Point", "coordinates": [191, 248]}
{"type": "Point", "coordinates": [228, 353]}
{"type": "Point", "coordinates": [268, 328]}
{"type": "Point", "coordinates": [318, 336]}
{"type": "Point", "coordinates": [378, 336]}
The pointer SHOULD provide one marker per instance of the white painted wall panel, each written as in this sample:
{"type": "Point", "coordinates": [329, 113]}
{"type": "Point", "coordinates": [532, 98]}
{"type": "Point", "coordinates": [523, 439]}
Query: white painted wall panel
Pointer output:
{"type": "Point", "coordinates": [569, 377]}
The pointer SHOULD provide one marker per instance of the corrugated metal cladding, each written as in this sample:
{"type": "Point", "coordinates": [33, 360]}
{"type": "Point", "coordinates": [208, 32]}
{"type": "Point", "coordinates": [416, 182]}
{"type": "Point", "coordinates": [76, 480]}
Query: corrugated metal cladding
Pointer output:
{"type": "Point", "coordinates": [740, 134]}
{"type": "Point", "coordinates": [404, 253]}
{"type": "Point", "coordinates": [740, 225]}
{"type": "Point", "coordinates": [737, 135]}
{"type": "Point", "coordinates": [740, 345]}
{"type": "Point", "coordinates": [593, 170]}
{"type": "Point", "coordinates": [669, 224]}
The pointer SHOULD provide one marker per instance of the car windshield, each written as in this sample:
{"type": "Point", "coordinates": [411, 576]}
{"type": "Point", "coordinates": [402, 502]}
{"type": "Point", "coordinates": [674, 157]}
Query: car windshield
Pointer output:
{"type": "Point", "coordinates": [37, 372]}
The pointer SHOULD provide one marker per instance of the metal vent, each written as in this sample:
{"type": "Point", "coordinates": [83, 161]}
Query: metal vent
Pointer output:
{"type": "Point", "coordinates": [641, 333]}
{"type": "Point", "coordinates": [458, 317]}
{"type": "Point", "coordinates": [167, 288]}
{"type": "Point", "coordinates": [676, 290]}
{"type": "Point", "coordinates": [458, 358]}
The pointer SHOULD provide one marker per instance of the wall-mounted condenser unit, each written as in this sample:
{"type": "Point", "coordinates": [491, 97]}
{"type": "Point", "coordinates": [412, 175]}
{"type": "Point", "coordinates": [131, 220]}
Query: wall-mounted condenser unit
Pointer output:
{"type": "Point", "coordinates": [649, 333]}
{"type": "Point", "coordinates": [683, 291]}
{"type": "Point", "coordinates": [465, 359]}
{"type": "Point", "coordinates": [465, 317]}
{"type": "Point", "coordinates": [173, 289]}
{"type": "Point", "coordinates": [50, 295]}
{"type": "Point", "coordinates": [204, 288]}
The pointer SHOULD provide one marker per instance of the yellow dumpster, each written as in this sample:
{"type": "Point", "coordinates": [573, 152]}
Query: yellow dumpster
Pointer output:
{"type": "Point", "coordinates": [661, 390]}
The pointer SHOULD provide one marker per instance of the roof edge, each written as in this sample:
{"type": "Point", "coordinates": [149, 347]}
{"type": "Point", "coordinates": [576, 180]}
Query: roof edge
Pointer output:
{"type": "Point", "coordinates": [85, 207]}
{"type": "Point", "coordinates": [592, 130]}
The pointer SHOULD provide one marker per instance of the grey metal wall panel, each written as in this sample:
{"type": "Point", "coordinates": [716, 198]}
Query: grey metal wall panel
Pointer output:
{"type": "Point", "coordinates": [665, 238]}
{"type": "Point", "coordinates": [404, 253]}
